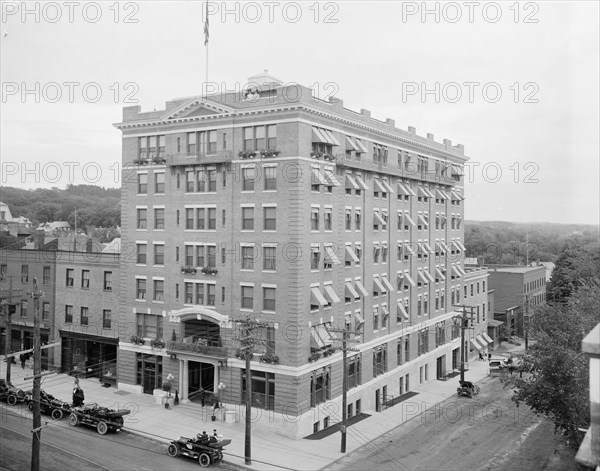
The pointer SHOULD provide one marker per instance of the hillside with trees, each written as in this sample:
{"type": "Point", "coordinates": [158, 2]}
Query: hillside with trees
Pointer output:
{"type": "Point", "coordinates": [512, 243]}
{"type": "Point", "coordinates": [96, 206]}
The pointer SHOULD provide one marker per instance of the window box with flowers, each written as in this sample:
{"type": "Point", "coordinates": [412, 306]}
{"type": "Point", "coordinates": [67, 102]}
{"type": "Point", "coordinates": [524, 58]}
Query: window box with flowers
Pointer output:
{"type": "Point", "coordinates": [247, 154]}
{"type": "Point", "coordinates": [140, 162]}
{"type": "Point", "coordinates": [314, 356]}
{"type": "Point", "coordinates": [322, 155]}
{"type": "Point", "coordinates": [188, 269]}
{"type": "Point", "coordinates": [268, 153]}
{"type": "Point", "coordinates": [157, 343]}
{"type": "Point", "coordinates": [159, 160]}
{"type": "Point", "coordinates": [209, 271]}
{"type": "Point", "coordinates": [269, 358]}
{"type": "Point", "coordinates": [137, 340]}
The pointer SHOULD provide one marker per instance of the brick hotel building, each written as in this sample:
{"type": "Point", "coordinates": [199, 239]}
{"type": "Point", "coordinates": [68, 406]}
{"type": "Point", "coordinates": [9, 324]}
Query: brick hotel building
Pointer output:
{"type": "Point", "coordinates": [300, 213]}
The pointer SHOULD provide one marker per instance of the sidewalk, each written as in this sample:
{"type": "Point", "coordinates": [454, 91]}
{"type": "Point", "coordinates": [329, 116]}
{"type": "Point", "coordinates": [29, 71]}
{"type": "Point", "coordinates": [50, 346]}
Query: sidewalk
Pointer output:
{"type": "Point", "coordinates": [269, 451]}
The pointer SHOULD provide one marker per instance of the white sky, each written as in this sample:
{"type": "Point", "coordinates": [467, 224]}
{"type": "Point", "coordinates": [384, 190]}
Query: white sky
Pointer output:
{"type": "Point", "coordinates": [370, 57]}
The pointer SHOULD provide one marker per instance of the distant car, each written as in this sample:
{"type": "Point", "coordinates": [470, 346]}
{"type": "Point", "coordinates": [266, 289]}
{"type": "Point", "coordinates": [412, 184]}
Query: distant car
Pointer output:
{"type": "Point", "coordinates": [497, 365]}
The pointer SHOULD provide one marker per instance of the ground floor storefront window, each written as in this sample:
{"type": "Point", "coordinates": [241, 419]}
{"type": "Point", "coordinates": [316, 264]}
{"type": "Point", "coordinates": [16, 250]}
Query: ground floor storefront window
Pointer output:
{"type": "Point", "coordinates": [263, 389]}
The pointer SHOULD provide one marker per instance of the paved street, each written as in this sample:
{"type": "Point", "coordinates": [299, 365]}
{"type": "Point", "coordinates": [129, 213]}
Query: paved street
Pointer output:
{"type": "Point", "coordinates": [484, 433]}
{"type": "Point", "coordinates": [68, 448]}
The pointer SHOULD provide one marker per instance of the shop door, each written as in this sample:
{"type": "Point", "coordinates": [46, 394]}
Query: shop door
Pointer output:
{"type": "Point", "coordinates": [455, 355]}
{"type": "Point", "coordinates": [440, 369]}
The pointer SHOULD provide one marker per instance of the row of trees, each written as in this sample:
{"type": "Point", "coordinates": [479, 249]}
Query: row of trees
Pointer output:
{"type": "Point", "coordinates": [558, 386]}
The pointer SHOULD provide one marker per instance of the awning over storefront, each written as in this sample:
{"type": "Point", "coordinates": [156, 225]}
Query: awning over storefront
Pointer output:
{"type": "Point", "coordinates": [487, 338]}
{"type": "Point", "coordinates": [476, 344]}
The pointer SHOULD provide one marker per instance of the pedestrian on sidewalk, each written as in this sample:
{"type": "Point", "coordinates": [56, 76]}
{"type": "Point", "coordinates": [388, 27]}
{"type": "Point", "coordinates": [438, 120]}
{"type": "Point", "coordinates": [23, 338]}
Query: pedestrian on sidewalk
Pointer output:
{"type": "Point", "coordinates": [201, 395]}
{"type": "Point", "coordinates": [78, 395]}
{"type": "Point", "coordinates": [23, 360]}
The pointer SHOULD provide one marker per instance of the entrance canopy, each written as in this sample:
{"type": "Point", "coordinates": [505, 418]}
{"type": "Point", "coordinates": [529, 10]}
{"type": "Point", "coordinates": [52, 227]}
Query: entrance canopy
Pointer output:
{"type": "Point", "coordinates": [200, 313]}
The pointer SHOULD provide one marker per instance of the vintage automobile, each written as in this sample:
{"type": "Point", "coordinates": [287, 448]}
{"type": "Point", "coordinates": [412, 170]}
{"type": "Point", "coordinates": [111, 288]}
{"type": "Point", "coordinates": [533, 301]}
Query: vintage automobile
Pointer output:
{"type": "Point", "coordinates": [50, 405]}
{"type": "Point", "coordinates": [103, 418]}
{"type": "Point", "coordinates": [467, 389]}
{"type": "Point", "coordinates": [11, 394]}
{"type": "Point", "coordinates": [205, 449]}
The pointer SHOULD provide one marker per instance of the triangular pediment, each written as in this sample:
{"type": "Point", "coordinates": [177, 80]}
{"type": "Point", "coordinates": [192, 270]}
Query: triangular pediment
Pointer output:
{"type": "Point", "coordinates": [197, 106]}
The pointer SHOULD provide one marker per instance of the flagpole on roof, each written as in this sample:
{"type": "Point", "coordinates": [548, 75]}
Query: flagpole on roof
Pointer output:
{"type": "Point", "coordinates": [206, 44]}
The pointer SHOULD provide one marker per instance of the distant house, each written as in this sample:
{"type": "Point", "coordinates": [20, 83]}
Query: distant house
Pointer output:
{"type": "Point", "coordinates": [56, 227]}
{"type": "Point", "coordinates": [16, 226]}
{"type": "Point", "coordinates": [113, 246]}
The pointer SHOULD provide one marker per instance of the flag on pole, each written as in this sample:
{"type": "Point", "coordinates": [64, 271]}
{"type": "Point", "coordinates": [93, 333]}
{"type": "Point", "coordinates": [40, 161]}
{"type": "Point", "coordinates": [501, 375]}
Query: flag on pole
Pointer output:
{"type": "Point", "coordinates": [206, 26]}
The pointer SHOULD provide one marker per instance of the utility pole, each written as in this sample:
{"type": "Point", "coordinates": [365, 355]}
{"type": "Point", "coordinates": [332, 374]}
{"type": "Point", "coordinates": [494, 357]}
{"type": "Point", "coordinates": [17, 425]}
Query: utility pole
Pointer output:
{"type": "Point", "coordinates": [250, 337]}
{"type": "Point", "coordinates": [10, 309]}
{"type": "Point", "coordinates": [345, 349]}
{"type": "Point", "coordinates": [464, 319]}
{"type": "Point", "coordinates": [37, 370]}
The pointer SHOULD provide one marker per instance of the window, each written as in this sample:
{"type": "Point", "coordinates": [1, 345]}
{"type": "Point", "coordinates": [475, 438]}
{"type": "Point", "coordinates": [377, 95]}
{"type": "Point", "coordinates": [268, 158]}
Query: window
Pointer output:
{"type": "Point", "coordinates": [399, 347]}
{"type": "Point", "coordinates": [189, 181]}
{"type": "Point", "coordinates": [211, 256]}
{"type": "Point", "coordinates": [159, 218]}
{"type": "Point", "coordinates": [210, 295]}
{"type": "Point", "coordinates": [270, 174]}
{"type": "Point", "coordinates": [68, 314]}
{"type": "Point", "coordinates": [106, 318]}
{"type": "Point", "coordinates": [247, 297]}
{"type": "Point", "coordinates": [24, 306]}
{"type": "Point", "coordinates": [142, 215]}
{"type": "Point", "coordinates": [248, 219]}
{"type": "Point", "coordinates": [423, 342]}
{"type": "Point", "coordinates": [45, 311]}
{"type": "Point", "coordinates": [328, 219]}
{"type": "Point", "coordinates": [314, 219]}
{"type": "Point", "coordinates": [270, 221]}
{"type": "Point", "coordinates": [407, 352]}
{"type": "Point", "coordinates": [159, 254]}
{"type": "Point", "coordinates": [354, 371]}
{"type": "Point", "coordinates": [375, 316]}
{"type": "Point", "coordinates": [142, 183]}
{"type": "Point", "coordinates": [141, 253]}
{"type": "Point", "coordinates": [320, 386]}
{"type": "Point", "coordinates": [85, 278]}
{"type": "Point", "coordinates": [315, 257]}
{"type": "Point", "coordinates": [46, 276]}
{"type": "Point", "coordinates": [269, 256]}
{"type": "Point", "coordinates": [200, 220]}
{"type": "Point", "coordinates": [268, 299]}
{"type": "Point", "coordinates": [188, 293]}
{"type": "Point", "coordinates": [260, 138]}
{"type": "Point", "coordinates": [212, 179]}
{"type": "Point", "coordinates": [248, 258]}
{"type": "Point", "coordinates": [159, 182]}
{"type": "Point", "coordinates": [3, 269]}
{"type": "Point", "coordinates": [379, 360]}
{"type": "Point", "coordinates": [25, 274]}
{"type": "Point", "coordinates": [70, 281]}
{"type": "Point", "coordinates": [263, 389]}
{"type": "Point", "coordinates": [348, 219]}
{"type": "Point", "coordinates": [440, 334]}
{"type": "Point", "coordinates": [212, 218]}
{"type": "Point", "coordinates": [85, 316]}
{"type": "Point", "coordinates": [357, 219]}
{"type": "Point", "coordinates": [149, 325]}
{"type": "Point", "coordinates": [248, 176]}
{"type": "Point", "coordinates": [159, 290]}
{"type": "Point", "coordinates": [140, 288]}
{"type": "Point", "coordinates": [200, 259]}
{"type": "Point", "coordinates": [199, 291]}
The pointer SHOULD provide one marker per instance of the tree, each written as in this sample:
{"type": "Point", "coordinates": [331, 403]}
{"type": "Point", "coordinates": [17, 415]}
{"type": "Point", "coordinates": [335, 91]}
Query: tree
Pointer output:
{"type": "Point", "coordinates": [558, 386]}
{"type": "Point", "coordinates": [575, 265]}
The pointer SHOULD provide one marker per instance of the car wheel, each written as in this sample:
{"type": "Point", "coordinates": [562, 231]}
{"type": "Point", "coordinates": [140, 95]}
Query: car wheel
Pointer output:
{"type": "Point", "coordinates": [204, 459]}
{"type": "Point", "coordinates": [30, 406]}
{"type": "Point", "coordinates": [73, 419]}
{"type": "Point", "coordinates": [12, 400]}
{"type": "Point", "coordinates": [57, 414]}
{"type": "Point", "coordinates": [173, 450]}
{"type": "Point", "coordinates": [102, 427]}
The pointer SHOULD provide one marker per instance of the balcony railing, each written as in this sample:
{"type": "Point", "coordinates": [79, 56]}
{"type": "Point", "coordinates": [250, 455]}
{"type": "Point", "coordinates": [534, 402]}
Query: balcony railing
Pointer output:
{"type": "Point", "coordinates": [206, 350]}
{"type": "Point", "coordinates": [221, 156]}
